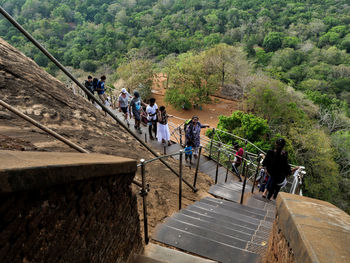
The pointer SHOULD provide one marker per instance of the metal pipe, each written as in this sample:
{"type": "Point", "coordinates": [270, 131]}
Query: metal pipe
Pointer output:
{"type": "Point", "coordinates": [164, 149]}
{"type": "Point", "coordinates": [145, 137]}
{"type": "Point", "coordinates": [217, 166]}
{"type": "Point", "coordinates": [42, 127]}
{"type": "Point", "coordinates": [180, 177]}
{"type": "Point", "coordinates": [107, 110]}
{"type": "Point", "coordinates": [197, 166]}
{"type": "Point", "coordinates": [256, 173]}
{"type": "Point", "coordinates": [180, 130]}
{"type": "Point", "coordinates": [211, 143]}
{"type": "Point", "coordinates": [143, 193]}
{"type": "Point", "coordinates": [228, 167]}
{"type": "Point", "coordinates": [136, 183]}
{"type": "Point", "coordinates": [244, 181]}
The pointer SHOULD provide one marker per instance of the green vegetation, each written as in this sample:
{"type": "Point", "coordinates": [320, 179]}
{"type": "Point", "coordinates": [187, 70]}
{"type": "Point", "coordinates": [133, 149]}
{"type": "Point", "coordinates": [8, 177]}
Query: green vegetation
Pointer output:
{"type": "Point", "coordinates": [290, 60]}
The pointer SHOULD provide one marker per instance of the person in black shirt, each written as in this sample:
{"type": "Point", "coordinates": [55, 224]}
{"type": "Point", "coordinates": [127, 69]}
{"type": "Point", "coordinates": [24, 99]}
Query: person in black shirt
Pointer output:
{"type": "Point", "coordinates": [276, 165]}
{"type": "Point", "coordinates": [89, 86]}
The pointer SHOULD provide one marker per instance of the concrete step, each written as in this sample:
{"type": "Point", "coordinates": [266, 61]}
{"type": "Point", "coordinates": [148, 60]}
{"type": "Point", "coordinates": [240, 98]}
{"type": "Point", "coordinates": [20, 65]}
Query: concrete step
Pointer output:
{"type": "Point", "coordinates": [262, 203]}
{"type": "Point", "coordinates": [238, 209]}
{"type": "Point", "coordinates": [164, 254]}
{"type": "Point", "coordinates": [208, 224]}
{"type": "Point", "coordinates": [203, 246]}
{"type": "Point", "coordinates": [231, 195]}
{"type": "Point", "coordinates": [237, 214]}
{"type": "Point", "coordinates": [230, 218]}
{"type": "Point", "coordinates": [232, 205]}
{"type": "Point", "coordinates": [218, 221]}
{"type": "Point", "coordinates": [206, 232]}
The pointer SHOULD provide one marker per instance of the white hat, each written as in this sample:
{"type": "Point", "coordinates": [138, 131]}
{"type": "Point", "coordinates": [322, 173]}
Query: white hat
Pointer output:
{"type": "Point", "coordinates": [123, 90]}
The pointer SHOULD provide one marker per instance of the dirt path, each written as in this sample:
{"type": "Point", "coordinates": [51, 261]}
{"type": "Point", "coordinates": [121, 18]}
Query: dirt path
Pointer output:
{"type": "Point", "coordinates": [209, 114]}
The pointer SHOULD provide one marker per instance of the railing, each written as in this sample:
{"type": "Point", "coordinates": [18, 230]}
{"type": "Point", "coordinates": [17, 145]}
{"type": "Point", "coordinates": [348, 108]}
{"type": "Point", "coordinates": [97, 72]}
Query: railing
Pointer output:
{"type": "Point", "coordinates": [145, 187]}
{"type": "Point", "coordinates": [67, 73]}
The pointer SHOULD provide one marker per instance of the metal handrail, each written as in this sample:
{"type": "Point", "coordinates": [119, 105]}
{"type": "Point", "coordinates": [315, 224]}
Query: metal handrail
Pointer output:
{"type": "Point", "coordinates": [106, 109]}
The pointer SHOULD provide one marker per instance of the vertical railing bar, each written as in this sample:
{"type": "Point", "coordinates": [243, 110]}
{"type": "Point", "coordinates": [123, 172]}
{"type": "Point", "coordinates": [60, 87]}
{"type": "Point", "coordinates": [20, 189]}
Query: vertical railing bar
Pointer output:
{"type": "Point", "coordinates": [143, 193]}
{"type": "Point", "coordinates": [180, 178]}
{"type": "Point", "coordinates": [228, 167]}
{"type": "Point", "coordinates": [256, 173]}
{"type": "Point", "coordinates": [197, 166]}
{"type": "Point", "coordinates": [217, 165]}
{"type": "Point", "coordinates": [211, 143]}
{"type": "Point", "coordinates": [244, 181]}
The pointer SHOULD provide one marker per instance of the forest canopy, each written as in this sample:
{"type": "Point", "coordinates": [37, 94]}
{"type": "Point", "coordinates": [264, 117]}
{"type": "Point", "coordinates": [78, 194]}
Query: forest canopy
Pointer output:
{"type": "Point", "coordinates": [290, 58]}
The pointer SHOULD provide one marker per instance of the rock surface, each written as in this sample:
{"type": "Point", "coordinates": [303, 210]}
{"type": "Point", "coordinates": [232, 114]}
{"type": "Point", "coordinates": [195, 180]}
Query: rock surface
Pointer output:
{"type": "Point", "coordinates": [27, 87]}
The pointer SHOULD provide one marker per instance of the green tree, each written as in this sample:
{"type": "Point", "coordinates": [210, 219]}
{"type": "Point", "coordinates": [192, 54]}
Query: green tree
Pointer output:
{"type": "Point", "coordinates": [273, 41]}
{"type": "Point", "coordinates": [137, 75]}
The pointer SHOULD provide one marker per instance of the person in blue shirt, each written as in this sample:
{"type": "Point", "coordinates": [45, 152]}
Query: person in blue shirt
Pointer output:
{"type": "Point", "coordinates": [135, 110]}
{"type": "Point", "coordinates": [188, 151]}
{"type": "Point", "coordinates": [101, 90]}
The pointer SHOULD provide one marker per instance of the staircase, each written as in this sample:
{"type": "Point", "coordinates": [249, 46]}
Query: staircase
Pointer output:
{"type": "Point", "coordinates": [213, 229]}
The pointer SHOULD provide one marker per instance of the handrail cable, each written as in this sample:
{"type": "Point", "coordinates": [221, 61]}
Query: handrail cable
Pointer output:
{"type": "Point", "coordinates": [107, 110]}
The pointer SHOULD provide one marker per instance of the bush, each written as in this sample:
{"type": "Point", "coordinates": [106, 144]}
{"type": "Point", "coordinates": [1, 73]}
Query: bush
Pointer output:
{"type": "Point", "coordinates": [88, 65]}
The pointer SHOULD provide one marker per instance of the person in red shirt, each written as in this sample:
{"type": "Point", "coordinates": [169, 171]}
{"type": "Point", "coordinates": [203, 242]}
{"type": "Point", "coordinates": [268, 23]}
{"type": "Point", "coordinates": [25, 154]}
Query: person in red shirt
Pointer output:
{"type": "Point", "coordinates": [237, 160]}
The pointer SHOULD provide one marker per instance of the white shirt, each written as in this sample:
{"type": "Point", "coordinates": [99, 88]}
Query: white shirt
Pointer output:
{"type": "Point", "coordinates": [150, 110]}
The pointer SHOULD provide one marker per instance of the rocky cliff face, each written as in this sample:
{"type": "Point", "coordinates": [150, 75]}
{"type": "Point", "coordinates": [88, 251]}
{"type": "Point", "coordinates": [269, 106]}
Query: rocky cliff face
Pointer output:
{"type": "Point", "coordinates": [25, 86]}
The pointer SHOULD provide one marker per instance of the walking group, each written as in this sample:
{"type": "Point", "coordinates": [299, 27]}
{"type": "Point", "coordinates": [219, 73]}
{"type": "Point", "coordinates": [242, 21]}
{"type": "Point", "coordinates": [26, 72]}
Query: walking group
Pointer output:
{"type": "Point", "coordinates": [97, 85]}
{"type": "Point", "coordinates": [274, 166]}
{"type": "Point", "coordinates": [149, 114]}
{"type": "Point", "coordinates": [274, 169]}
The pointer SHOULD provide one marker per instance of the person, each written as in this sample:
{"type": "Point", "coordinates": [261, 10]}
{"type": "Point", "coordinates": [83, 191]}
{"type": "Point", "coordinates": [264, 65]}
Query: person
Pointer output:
{"type": "Point", "coordinates": [163, 133]}
{"type": "Point", "coordinates": [237, 160]}
{"type": "Point", "coordinates": [277, 167]}
{"type": "Point", "coordinates": [101, 90]}
{"type": "Point", "coordinates": [90, 87]}
{"type": "Point", "coordinates": [123, 103]}
{"type": "Point", "coordinates": [192, 133]}
{"type": "Point", "coordinates": [135, 109]}
{"type": "Point", "coordinates": [152, 110]}
{"type": "Point", "coordinates": [188, 151]}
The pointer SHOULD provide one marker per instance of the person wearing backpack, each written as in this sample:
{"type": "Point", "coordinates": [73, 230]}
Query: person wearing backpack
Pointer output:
{"type": "Point", "coordinates": [193, 131]}
{"type": "Point", "coordinates": [135, 110]}
{"type": "Point", "coordinates": [100, 88]}
{"type": "Point", "coordinates": [277, 166]}
{"type": "Point", "coordinates": [88, 84]}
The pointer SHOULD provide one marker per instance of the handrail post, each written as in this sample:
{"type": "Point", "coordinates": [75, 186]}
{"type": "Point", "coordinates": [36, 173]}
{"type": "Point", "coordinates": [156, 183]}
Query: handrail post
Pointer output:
{"type": "Point", "coordinates": [244, 181]}
{"type": "Point", "coordinates": [60, 66]}
{"type": "Point", "coordinates": [180, 130]}
{"type": "Point", "coordinates": [217, 165]}
{"type": "Point", "coordinates": [211, 143]}
{"type": "Point", "coordinates": [197, 167]}
{"type": "Point", "coordinates": [164, 149]}
{"type": "Point", "coordinates": [143, 193]}
{"type": "Point", "coordinates": [180, 178]}
{"type": "Point", "coordinates": [256, 173]}
{"type": "Point", "coordinates": [228, 167]}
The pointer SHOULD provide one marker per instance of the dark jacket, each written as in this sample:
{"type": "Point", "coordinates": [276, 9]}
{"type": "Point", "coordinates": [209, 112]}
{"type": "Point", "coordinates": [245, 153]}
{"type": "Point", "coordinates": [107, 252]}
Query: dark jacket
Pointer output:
{"type": "Point", "coordinates": [277, 165]}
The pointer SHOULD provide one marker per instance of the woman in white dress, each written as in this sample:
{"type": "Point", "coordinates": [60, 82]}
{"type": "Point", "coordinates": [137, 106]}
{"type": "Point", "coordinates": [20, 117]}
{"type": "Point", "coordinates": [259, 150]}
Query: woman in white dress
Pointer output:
{"type": "Point", "coordinates": [163, 133]}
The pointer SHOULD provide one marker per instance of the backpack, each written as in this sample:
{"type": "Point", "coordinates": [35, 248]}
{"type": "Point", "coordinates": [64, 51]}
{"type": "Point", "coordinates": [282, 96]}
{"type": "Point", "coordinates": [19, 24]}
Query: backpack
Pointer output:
{"type": "Point", "coordinates": [96, 84]}
{"type": "Point", "coordinates": [187, 123]}
{"type": "Point", "coordinates": [89, 86]}
{"type": "Point", "coordinates": [138, 105]}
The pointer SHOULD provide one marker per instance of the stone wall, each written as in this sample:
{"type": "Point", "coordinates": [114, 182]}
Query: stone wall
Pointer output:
{"type": "Point", "coordinates": [279, 248]}
{"type": "Point", "coordinates": [308, 230]}
{"type": "Point", "coordinates": [87, 220]}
